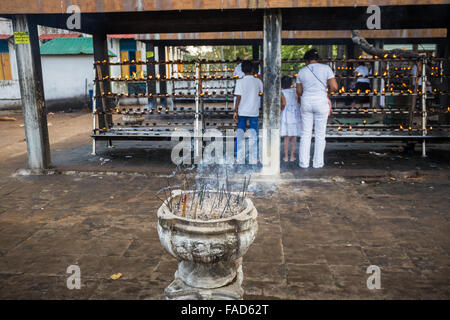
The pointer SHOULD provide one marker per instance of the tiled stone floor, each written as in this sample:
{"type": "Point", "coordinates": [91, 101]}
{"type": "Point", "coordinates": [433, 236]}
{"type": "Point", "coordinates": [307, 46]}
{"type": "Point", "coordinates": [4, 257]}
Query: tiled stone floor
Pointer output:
{"type": "Point", "coordinates": [319, 230]}
{"type": "Point", "coordinates": [316, 237]}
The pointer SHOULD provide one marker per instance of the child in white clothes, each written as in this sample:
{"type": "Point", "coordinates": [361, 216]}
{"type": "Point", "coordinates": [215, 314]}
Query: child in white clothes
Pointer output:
{"type": "Point", "coordinates": [290, 117]}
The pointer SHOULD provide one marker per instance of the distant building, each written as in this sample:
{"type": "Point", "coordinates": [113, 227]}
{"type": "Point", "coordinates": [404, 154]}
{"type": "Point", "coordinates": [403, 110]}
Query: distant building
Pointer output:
{"type": "Point", "coordinates": [125, 47]}
{"type": "Point", "coordinates": [9, 80]}
{"type": "Point", "coordinates": [67, 66]}
{"type": "Point", "coordinates": [68, 72]}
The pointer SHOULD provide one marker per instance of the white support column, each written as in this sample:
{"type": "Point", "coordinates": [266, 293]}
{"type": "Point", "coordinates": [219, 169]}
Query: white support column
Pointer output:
{"type": "Point", "coordinates": [32, 92]}
{"type": "Point", "coordinates": [272, 93]}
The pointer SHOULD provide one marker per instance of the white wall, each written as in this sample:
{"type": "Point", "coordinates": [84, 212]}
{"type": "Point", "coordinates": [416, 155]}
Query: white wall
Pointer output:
{"type": "Point", "coordinates": [9, 89]}
{"type": "Point", "coordinates": [9, 94]}
{"type": "Point", "coordinates": [65, 76]}
{"type": "Point", "coordinates": [116, 71]}
{"type": "Point", "coordinates": [5, 26]}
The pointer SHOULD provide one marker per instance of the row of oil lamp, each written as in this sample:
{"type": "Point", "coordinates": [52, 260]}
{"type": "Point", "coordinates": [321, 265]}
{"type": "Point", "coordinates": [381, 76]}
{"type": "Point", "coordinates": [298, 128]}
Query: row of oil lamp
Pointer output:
{"type": "Point", "coordinates": [339, 68]}
{"type": "Point", "coordinates": [386, 56]}
{"type": "Point", "coordinates": [165, 110]}
{"type": "Point", "coordinates": [400, 128]}
{"type": "Point", "coordinates": [158, 77]}
{"type": "Point", "coordinates": [339, 127]}
{"type": "Point", "coordinates": [387, 90]}
{"type": "Point", "coordinates": [117, 126]}
{"type": "Point", "coordinates": [206, 93]}
{"type": "Point", "coordinates": [340, 93]}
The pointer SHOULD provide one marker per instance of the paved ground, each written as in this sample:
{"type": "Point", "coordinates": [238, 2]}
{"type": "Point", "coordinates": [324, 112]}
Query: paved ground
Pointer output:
{"type": "Point", "coordinates": [62, 127]}
{"type": "Point", "coordinates": [319, 230]}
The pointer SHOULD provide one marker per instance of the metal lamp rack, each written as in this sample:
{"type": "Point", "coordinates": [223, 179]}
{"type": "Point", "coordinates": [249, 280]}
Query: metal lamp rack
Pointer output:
{"type": "Point", "coordinates": [397, 77]}
{"type": "Point", "coordinates": [161, 121]}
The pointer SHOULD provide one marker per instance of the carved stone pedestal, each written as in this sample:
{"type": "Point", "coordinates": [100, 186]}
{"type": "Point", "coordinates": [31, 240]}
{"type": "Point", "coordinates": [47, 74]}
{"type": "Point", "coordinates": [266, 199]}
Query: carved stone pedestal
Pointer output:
{"type": "Point", "coordinates": [209, 252]}
{"type": "Point", "coordinates": [178, 290]}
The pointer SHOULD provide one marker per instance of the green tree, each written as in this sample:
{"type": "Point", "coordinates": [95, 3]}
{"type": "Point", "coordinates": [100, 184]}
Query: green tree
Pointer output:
{"type": "Point", "coordinates": [293, 52]}
{"type": "Point", "coordinates": [233, 53]}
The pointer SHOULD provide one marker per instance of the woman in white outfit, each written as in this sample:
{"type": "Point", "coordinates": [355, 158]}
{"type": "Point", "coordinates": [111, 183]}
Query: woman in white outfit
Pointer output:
{"type": "Point", "coordinates": [290, 117]}
{"type": "Point", "coordinates": [315, 106]}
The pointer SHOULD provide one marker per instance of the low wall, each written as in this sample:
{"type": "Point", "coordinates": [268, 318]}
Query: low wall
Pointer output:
{"type": "Point", "coordinates": [9, 95]}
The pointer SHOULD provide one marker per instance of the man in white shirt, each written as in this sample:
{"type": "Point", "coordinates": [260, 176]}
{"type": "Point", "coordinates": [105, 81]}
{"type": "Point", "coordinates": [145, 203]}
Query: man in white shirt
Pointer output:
{"type": "Point", "coordinates": [362, 83]}
{"type": "Point", "coordinates": [248, 93]}
{"type": "Point", "coordinates": [237, 74]}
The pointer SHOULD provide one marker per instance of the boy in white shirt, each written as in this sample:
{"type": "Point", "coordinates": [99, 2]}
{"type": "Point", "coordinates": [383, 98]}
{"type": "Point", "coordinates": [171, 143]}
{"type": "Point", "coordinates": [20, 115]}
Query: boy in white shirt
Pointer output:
{"type": "Point", "coordinates": [362, 84]}
{"type": "Point", "coordinates": [248, 93]}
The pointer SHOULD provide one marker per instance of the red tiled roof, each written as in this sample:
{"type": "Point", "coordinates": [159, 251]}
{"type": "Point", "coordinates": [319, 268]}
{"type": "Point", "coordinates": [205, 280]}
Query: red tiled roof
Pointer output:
{"type": "Point", "coordinates": [5, 36]}
{"type": "Point", "coordinates": [121, 36]}
{"type": "Point", "coordinates": [56, 35]}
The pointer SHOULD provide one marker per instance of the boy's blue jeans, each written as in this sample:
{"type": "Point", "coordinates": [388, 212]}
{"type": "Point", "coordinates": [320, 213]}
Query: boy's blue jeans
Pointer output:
{"type": "Point", "coordinates": [252, 134]}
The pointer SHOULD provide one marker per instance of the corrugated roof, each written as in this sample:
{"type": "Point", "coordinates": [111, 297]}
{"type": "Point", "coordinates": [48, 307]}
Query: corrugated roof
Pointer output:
{"type": "Point", "coordinates": [120, 36]}
{"type": "Point", "coordinates": [50, 36]}
{"type": "Point", "coordinates": [66, 46]}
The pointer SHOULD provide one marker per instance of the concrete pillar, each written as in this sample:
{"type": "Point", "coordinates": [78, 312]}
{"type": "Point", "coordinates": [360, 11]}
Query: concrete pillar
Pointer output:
{"type": "Point", "coordinates": [32, 92]}
{"type": "Point", "coordinates": [100, 44]}
{"type": "Point", "coordinates": [151, 85]}
{"type": "Point", "coordinates": [272, 92]}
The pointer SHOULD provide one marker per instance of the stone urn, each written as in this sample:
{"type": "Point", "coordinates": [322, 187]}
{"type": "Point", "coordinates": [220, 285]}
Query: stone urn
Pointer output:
{"type": "Point", "coordinates": [209, 253]}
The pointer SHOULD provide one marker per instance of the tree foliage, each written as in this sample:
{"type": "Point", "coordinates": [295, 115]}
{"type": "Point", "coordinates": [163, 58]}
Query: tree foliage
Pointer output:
{"type": "Point", "coordinates": [232, 53]}
{"type": "Point", "coordinates": [293, 52]}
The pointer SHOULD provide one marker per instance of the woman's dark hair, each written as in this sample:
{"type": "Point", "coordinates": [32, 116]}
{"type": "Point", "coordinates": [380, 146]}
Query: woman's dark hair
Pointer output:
{"type": "Point", "coordinates": [311, 55]}
{"type": "Point", "coordinates": [247, 66]}
{"type": "Point", "coordinates": [286, 82]}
